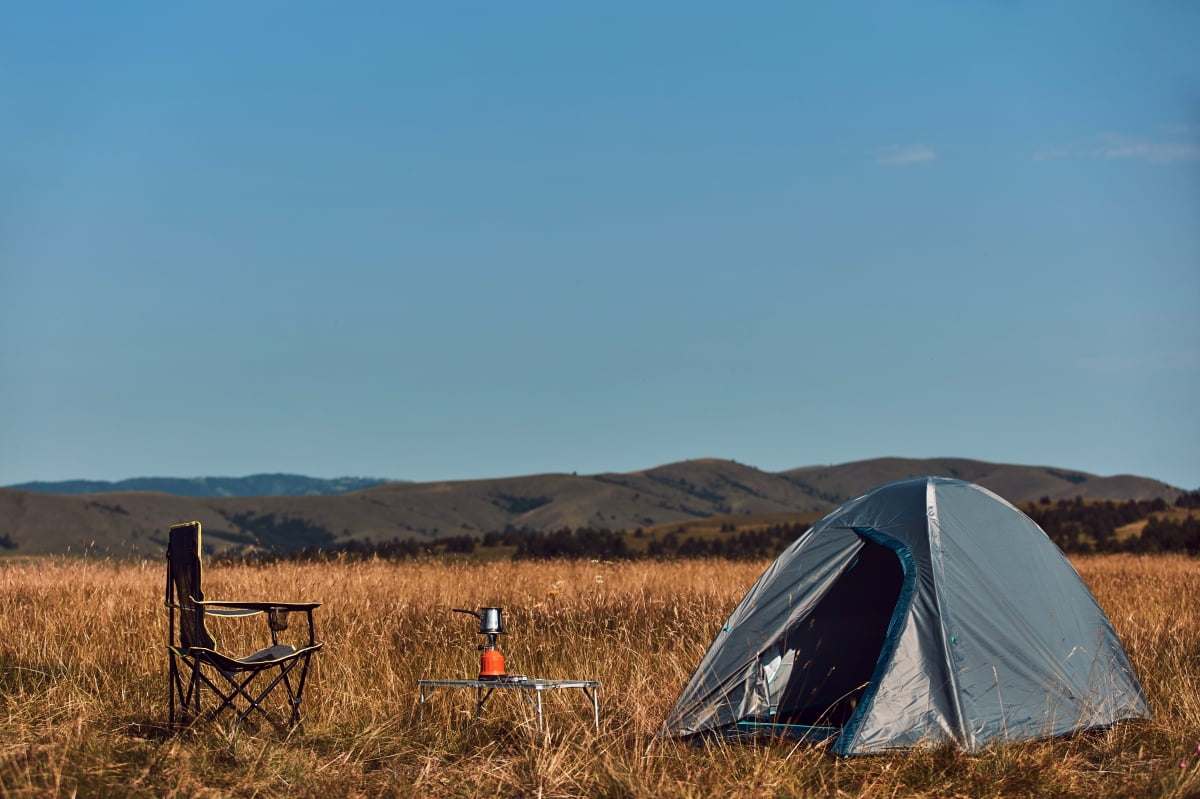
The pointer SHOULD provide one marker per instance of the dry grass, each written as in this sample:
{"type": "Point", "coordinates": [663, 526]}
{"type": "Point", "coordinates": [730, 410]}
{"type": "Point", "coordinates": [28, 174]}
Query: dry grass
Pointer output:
{"type": "Point", "coordinates": [83, 693]}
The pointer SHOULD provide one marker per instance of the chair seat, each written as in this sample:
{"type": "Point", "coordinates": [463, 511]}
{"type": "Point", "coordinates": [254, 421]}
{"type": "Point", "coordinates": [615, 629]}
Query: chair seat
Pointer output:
{"type": "Point", "coordinates": [271, 653]}
{"type": "Point", "coordinates": [271, 656]}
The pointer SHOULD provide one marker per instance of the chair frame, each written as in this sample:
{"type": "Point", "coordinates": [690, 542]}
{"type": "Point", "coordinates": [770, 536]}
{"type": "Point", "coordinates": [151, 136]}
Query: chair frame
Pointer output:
{"type": "Point", "coordinates": [195, 662]}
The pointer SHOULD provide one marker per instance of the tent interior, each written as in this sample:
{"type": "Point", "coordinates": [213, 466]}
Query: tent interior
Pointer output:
{"type": "Point", "coordinates": [826, 660]}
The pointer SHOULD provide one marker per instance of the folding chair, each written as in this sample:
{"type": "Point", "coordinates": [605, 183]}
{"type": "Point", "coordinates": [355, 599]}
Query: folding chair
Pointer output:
{"type": "Point", "coordinates": [194, 659]}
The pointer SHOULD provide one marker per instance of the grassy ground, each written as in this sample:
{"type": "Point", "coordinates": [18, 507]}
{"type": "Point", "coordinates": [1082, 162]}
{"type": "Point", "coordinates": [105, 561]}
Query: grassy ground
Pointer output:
{"type": "Point", "coordinates": [83, 690]}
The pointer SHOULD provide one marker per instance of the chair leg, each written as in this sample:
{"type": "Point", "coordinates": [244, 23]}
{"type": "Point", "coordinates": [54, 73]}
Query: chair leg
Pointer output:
{"type": "Point", "coordinates": [296, 696]}
{"type": "Point", "coordinates": [239, 689]}
{"type": "Point", "coordinates": [187, 702]}
{"type": "Point", "coordinates": [255, 703]}
{"type": "Point", "coordinates": [172, 687]}
{"type": "Point", "coordinates": [191, 701]}
{"type": "Point", "coordinates": [227, 700]}
{"type": "Point", "coordinates": [293, 700]}
{"type": "Point", "coordinates": [179, 700]}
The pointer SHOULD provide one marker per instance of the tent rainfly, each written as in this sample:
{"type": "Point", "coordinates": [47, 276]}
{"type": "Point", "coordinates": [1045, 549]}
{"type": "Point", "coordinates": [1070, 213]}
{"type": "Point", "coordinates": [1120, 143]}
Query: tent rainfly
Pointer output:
{"type": "Point", "coordinates": [925, 610]}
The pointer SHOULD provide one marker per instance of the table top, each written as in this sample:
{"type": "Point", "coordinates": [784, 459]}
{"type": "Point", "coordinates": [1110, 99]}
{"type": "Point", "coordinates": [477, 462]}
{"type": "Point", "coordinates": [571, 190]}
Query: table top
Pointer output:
{"type": "Point", "coordinates": [529, 684]}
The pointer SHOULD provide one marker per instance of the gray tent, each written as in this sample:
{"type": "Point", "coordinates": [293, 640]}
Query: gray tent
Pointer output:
{"type": "Point", "coordinates": [924, 610]}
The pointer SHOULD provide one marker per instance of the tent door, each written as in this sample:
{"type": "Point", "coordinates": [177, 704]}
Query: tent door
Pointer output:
{"type": "Point", "coordinates": [835, 649]}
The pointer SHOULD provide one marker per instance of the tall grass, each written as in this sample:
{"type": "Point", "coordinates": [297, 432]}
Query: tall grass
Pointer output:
{"type": "Point", "coordinates": [83, 689]}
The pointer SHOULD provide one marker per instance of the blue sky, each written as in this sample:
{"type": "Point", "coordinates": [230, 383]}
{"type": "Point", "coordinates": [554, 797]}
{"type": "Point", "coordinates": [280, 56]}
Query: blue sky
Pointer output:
{"type": "Point", "coordinates": [478, 239]}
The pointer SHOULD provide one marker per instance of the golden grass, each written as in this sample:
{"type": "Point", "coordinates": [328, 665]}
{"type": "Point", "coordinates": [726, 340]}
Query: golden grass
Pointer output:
{"type": "Point", "coordinates": [83, 689]}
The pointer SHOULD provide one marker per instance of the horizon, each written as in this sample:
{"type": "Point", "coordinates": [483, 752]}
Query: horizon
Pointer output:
{"type": "Point", "coordinates": [385, 479]}
{"type": "Point", "coordinates": [450, 243]}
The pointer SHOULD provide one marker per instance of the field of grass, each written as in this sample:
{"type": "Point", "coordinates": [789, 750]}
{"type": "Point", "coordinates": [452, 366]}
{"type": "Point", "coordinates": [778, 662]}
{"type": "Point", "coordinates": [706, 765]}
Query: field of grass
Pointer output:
{"type": "Point", "coordinates": [83, 689]}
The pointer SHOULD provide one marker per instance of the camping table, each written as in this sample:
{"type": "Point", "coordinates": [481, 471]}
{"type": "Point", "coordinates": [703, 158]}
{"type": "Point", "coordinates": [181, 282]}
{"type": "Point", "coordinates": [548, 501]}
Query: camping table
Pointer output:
{"type": "Point", "coordinates": [531, 689]}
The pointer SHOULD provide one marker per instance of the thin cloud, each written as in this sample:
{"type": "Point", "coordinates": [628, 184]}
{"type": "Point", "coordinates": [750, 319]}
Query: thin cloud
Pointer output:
{"type": "Point", "coordinates": [905, 155]}
{"type": "Point", "coordinates": [1115, 147]}
{"type": "Point", "coordinates": [1112, 147]}
{"type": "Point", "coordinates": [1181, 129]}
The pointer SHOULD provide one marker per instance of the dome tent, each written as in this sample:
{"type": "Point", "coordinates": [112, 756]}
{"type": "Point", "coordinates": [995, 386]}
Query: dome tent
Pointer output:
{"type": "Point", "coordinates": [925, 610]}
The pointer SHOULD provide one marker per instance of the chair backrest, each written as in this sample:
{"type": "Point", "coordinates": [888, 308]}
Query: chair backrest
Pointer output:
{"type": "Point", "coordinates": [183, 585]}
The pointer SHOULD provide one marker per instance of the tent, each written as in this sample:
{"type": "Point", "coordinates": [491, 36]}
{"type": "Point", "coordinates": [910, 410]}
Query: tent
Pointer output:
{"type": "Point", "coordinates": [925, 610]}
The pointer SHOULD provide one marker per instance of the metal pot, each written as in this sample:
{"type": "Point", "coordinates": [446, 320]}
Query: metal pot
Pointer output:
{"type": "Point", "coordinates": [491, 622]}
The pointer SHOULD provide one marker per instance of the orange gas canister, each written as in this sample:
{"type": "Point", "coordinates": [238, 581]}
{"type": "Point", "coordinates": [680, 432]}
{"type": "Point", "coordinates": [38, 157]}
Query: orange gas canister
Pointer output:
{"type": "Point", "coordinates": [491, 664]}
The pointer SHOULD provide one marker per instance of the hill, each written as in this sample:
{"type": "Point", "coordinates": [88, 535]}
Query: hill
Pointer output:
{"type": "Point", "coordinates": [1015, 483]}
{"type": "Point", "coordinates": [255, 485]}
{"type": "Point", "coordinates": [134, 523]}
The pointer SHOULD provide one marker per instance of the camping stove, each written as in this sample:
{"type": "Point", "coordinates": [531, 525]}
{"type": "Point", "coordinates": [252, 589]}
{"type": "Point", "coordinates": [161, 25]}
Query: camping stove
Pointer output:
{"type": "Point", "coordinates": [491, 662]}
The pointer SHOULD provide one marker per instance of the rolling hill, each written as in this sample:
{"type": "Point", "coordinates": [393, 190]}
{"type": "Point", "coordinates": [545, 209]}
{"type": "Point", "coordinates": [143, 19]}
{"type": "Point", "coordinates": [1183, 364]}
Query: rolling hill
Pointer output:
{"type": "Point", "coordinates": [134, 523]}
{"type": "Point", "coordinates": [255, 485]}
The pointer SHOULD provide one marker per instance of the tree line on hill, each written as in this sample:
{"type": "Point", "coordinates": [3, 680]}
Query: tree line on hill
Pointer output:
{"type": "Point", "coordinates": [1074, 525]}
{"type": "Point", "coordinates": [1081, 527]}
{"type": "Point", "coordinates": [731, 543]}
{"type": "Point", "coordinates": [581, 543]}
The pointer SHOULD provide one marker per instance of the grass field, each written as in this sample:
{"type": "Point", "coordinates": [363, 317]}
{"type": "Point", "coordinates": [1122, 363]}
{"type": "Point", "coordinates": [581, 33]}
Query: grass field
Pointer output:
{"type": "Point", "coordinates": [83, 689]}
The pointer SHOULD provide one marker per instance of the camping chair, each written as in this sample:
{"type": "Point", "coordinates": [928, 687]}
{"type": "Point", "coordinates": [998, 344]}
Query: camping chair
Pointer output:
{"type": "Point", "coordinates": [194, 659]}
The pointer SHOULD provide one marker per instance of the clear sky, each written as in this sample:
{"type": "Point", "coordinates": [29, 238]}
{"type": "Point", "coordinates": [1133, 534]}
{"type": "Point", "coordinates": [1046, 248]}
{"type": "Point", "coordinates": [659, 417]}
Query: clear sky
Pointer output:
{"type": "Point", "coordinates": [474, 239]}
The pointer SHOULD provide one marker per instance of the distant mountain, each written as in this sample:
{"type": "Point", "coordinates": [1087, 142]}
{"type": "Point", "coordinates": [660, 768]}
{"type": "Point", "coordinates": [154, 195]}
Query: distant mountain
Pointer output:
{"type": "Point", "coordinates": [256, 485]}
{"type": "Point", "coordinates": [134, 523]}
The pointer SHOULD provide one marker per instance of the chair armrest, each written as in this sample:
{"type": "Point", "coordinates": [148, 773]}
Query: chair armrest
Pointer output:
{"type": "Point", "coordinates": [259, 607]}
{"type": "Point", "coordinates": [231, 612]}
{"type": "Point", "coordinates": [277, 613]}
{"type": "Point", "coordinates": [238, 611]}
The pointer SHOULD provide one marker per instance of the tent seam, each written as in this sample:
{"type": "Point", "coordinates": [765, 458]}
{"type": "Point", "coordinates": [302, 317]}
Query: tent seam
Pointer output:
{"type": "Point", "coordinates": [937, 561]}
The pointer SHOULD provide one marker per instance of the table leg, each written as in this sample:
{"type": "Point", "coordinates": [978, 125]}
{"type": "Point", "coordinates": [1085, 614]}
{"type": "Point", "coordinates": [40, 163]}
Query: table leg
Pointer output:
{"type": "Point", "coordinates": [594, 695]}
{"type": "Point", "coordinates": [539, 710]}
{"type": "Point", "coordinates": [423, 694]}
{"type": "Point", "coordinates": [481, 696]}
